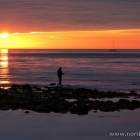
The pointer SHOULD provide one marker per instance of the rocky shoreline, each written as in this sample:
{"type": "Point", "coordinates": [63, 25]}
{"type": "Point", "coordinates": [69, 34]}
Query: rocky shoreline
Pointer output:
{"type": "Point", "coordinates": [61, 99]}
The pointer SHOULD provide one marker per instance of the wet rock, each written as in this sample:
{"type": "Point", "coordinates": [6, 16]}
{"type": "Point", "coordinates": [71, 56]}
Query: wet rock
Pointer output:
{"type": "Point", "coordinates": [53, 84]}
{"type": "Point", "coordinates": [4, 108]}
{"type": "Point", "coordinates": [111, 94]}
{"type": "Point", "coordinates": [57, 100]}
{"type": "Point", "coordinates": [109, 103]}
{"type": "Point", "coordinates": [47, 91]}
{"type": "Point", "coordinates": [27, 87]}
{"type": "Point", "coordinates": [133, 93]}
{"type": "Point", "coordinates": [26, 112]}
{"type": "Point", "coordinates": [123, 101]}
{"type": "Point", "coordinates": [36, 88]}
{"type": "Point", "coordinates": [82, 97]}
{"type": "Point", "coordinates": [15, 86]}
{"type": "Point", "coordinates": [138, 96]}
{"type": "Point", "coordinates": [82, 109]}
{"type": "Point", "coordinates": [95, 91]}
{"type": "Point", "coordinates": [123, 104]}
{"type": "Point", "coordinates": [63, 108]}
{"type": "Point", "coordinates": [135, 103]}
{"type": "Point", "coordinates": [6, 96]}
{"type": "Point", "coordinates": [73, 109]}
{"type": "Point", "coordinates": [43, 108]}
{"type": "Point", "coordinates": [109, 106]}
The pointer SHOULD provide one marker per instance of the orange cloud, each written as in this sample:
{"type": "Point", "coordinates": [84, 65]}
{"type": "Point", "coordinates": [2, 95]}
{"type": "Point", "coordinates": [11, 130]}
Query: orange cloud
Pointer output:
{"type": "Point", "coordinates": [124, 39]}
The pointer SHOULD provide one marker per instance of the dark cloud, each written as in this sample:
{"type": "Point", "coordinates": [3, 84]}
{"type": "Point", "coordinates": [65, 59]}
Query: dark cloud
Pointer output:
{"type": "Point", "coordinates": [54, 15]}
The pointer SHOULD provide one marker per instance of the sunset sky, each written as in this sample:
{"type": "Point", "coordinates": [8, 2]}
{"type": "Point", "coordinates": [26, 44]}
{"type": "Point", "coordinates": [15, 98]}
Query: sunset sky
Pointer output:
{"type": "Point", "coordinates": [70, 24]}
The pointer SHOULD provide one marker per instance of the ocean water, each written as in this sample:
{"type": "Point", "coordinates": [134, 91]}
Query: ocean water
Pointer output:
{"type": "Point", "coordinates": [100, 69]}
{"type": "Point", "coordinates": [16, 125]}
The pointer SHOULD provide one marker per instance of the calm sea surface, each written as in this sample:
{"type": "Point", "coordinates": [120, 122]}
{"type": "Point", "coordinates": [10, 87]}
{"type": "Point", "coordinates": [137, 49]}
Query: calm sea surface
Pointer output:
{"type": "Point", "coordinates": [103, 70]}
{"type": "Point", "coordinates": [16, 125]}
{"type": "Point", "coordinates": [98, 69]}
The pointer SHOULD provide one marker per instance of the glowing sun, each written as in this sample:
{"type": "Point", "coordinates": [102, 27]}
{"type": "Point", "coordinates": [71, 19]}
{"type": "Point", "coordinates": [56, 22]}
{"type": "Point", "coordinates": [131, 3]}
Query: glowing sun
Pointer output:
{"type": "Point", "coordinates": [4, 35]}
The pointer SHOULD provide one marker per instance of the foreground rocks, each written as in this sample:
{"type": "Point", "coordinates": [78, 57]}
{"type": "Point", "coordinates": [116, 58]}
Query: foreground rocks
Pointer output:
{"type": "Point", "coordinates": [59, 99]}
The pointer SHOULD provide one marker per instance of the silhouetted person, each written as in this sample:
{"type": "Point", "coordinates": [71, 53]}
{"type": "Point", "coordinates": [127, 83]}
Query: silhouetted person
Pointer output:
{"type": "Point", "coordinates": [59, 74]}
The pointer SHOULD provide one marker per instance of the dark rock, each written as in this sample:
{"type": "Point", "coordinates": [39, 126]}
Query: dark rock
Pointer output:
{"type": "Point", "coordinates": [15, 86]}
{"type": "Point", "coordinates": [27, 112]}
{"type": "Point", "coordinates": [26, 87]}
{"type": "Point", "coordinates": [73, 109]}
{"type": "Point", "coordinates": [55, 100]}
{"type": "Point", "coordinates": [110, 94]}
{"type": "Point", "coordinates": [47, 91]}
{"type": "Point", "coordinates": [4, 108]}
{"type": "Point", "coordinates": [109, 103]}
{"type": "Point", "coordinates": [53, 84]}
{"type": "Point", "coordinates": [43, 108]}
{"type": "Point", "coordinates": [63, 108]}
{"type": "Point", "coordinates": [123, 101]}
{"type": "Point", "coordinates": [83, 109]}
{"type": "Point", "coordinates": [123, 104]}
{"type": "Point", "coordinates": [135, 103]}
{"type": "Point", "coordinates": [133, 93]}
{"type": "Point", "coordinates": [6, 96]}
{"type": "Point", "coordinates": [95, 91]}
{"type": "Point", "coordinates": [38, 89]}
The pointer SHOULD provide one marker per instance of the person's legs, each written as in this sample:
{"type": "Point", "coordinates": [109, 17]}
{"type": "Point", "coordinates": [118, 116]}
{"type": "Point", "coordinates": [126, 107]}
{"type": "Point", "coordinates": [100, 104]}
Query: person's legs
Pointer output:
{"type": "Point", "coordinates": [60, 79]}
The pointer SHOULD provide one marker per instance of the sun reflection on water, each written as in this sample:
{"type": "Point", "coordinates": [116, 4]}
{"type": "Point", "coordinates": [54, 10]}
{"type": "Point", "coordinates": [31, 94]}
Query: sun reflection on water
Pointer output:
{"type": "Point", "coordinates": [4, 70]}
